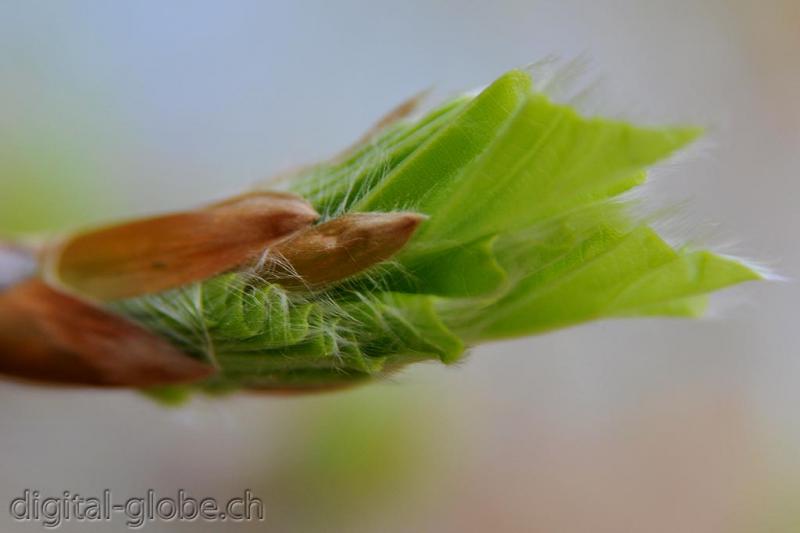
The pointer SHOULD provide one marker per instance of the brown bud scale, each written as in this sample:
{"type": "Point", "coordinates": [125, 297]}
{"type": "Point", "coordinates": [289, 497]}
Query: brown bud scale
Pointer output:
{"type": "Point", "coordinates": [338, 249]}
{"type": "Point", "coordinates": [163, 252]}
{"type": "Point", "coordinates": [52, 337]}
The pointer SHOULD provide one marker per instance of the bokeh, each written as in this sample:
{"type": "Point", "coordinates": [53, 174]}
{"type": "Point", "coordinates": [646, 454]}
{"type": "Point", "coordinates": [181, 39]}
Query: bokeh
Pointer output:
{"type": "Point", "coordinates": [110, 110]}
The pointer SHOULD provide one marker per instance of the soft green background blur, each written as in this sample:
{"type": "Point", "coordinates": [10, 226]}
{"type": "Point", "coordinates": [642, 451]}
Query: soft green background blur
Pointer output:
{"type": "Point", "coordinates": [112, 109]}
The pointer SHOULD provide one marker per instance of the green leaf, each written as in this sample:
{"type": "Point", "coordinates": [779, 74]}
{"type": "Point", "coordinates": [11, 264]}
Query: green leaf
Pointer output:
{"type": "Point", "coordinates": [547, 160]}
{"type": "Point", "coordinates": [603, 276]}
{"type": "Point", "coordinates": [465, 271]}
{"type": "Point", "coordinates": [525, 233]}
{"type": "Point", "coordinates": [437, 163]}
{"type": "Point", "coordinates": [686, 276]}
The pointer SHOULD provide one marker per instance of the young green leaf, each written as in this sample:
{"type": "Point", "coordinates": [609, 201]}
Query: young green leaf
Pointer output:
{"type": "Point", "coordinates": [524, 233]}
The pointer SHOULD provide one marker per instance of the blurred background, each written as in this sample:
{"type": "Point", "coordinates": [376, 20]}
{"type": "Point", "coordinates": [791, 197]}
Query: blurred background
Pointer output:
{"type": "Point", "coordinates": [111, 109]}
